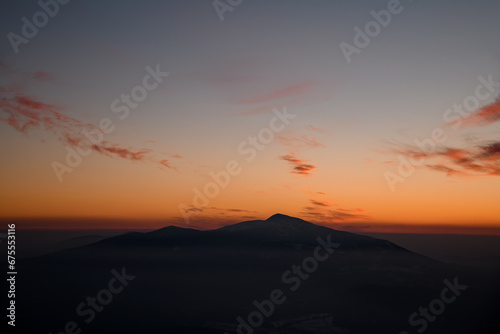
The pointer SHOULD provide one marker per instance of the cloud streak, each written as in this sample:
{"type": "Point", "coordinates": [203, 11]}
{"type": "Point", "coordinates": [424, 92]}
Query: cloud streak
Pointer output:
{"type": "Point", "coordinates": [316, 129]}
{"type": "Point", "coordinates": [319, 203]}
{"type": "Point", "coordinates": [320, 213]}
{"type": "Point", "coordinates": [300, 142]}
{"type": "Point", "coordinates": [478, 160]}
{"type": "Point", "coordinates": [294, 144]}
{"type": "Point", "coordinates": [298, 166]}
{"type": "Point", "coordinates": [484, 116]}
{"type": "Point", "coordinates": [33, 117]}
{"type": "Point", "coordinates": [470, 159]}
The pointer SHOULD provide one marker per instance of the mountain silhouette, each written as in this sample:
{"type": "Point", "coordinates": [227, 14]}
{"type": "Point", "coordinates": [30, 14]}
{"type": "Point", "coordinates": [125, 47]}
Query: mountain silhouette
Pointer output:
{"type": "Point", "coordinates": [192, 281]}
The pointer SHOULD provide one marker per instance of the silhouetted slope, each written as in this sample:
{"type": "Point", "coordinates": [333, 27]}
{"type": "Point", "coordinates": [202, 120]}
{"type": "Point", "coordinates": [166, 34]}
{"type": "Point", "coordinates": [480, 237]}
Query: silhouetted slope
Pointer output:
{"type": "Point", "coordinates": [282, 228]}
{"type": "Point", "coordinates": [185, 278]}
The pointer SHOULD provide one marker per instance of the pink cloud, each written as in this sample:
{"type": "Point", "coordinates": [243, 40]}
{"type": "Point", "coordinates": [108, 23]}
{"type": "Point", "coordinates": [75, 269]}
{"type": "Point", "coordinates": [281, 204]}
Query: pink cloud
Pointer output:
{"type": "Point", "coordinates": [484, 116]}
{"type": "Point", "coordinates": [315, 129]}
{"type": "Point", "coordinates": [33, 117]}
{"type": "Point", "coordinates": [299, 166]}
{"type": "Point", "coordinates": [300, 142]}
{"type": "Point", "coordinates": [478, 160]}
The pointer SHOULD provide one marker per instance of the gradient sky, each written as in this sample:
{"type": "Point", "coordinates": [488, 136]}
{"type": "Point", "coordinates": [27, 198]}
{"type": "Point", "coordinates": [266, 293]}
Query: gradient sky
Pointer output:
{"type": "Point", "coordinates": [354, 120]}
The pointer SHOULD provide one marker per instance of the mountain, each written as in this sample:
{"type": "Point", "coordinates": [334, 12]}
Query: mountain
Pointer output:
{"type": "Point", "coordinates": [282, 228]}
{"type": "Point", "coordinates": [180, 280]}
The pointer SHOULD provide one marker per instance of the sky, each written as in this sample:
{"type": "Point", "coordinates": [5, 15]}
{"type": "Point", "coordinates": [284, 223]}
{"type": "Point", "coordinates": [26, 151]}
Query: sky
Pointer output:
{"type": "Point", "coordinates": [375, 116]}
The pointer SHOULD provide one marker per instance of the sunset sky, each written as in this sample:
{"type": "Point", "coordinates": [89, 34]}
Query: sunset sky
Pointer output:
{"type": "Point", "coordinates": [336, 160]}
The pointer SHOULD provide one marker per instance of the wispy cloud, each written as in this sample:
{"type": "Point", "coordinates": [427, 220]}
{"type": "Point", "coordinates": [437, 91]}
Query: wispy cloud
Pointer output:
{"type": "Point", "coordinates": [316, 129]}
{"type": "Point", "coordinates": [320, 213]}
{"type": "Point", "coordinates": [468, 158]}
{"type": "Point", "coordinates": [34, 117]}
{"type": "Point", "coordinates": [295, 143]}
{"type": "Point", "coordinates": [300, 142]}
{"type": "Point", "coordinates": [477, 160]}
{"type": "Point", "coordinates": [215, 217]}
{"type": "Point", "coordinates": [319, 203]}
{"type": "Point", "coordinates": [484, 116]}
{"type": "Point", "coordinates": [298, 166]}
{"type": "Point", "coordinates": [212, 209]}
{"type": "Point", "coordinates": [232, 210]}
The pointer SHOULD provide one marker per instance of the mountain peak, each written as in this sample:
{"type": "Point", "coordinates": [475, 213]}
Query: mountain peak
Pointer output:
{"type": "Point", "coordinates": [276, 224]}
{"type": "Point", "coordinates": [173, 231]}
{"type": "Point", "coordinates": [281, 218]}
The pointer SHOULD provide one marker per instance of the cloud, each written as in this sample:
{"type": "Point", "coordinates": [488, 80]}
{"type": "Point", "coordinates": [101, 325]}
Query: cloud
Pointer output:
{"type": "Point", "coordinates": [471, 158]}
{"type": "Point", "coordinates": [440, 168]}
{"type": "Point", "coordinates": [477, 160]}
{"type": "Point", "coordinates": [314, 193]}
{"type": "Point", "coordinates": [319, 203]}
{"type": "Point", "coordinates": [290, 91]}
{"type": "Point", "coordinates": [33, 117]}
{"type": "Point", "coordinates": [296, 143]}
{"type": "Point", "coordinates": [300, 142]}
{"type": "Point", "coordinates": [319, 213]}
{"type": "Point", "coordinates": [216, 217]}
{"type": "Point", "coordinates": [315, 129]}
{"type": "Point", "coordinates": [165, 163]}
{"type": "Point", "coordinates": [299, 166]}
{"type": "Point", "coordinates": [339, 215]}
{"type": "Point", "coordinates": [231, 210]}
{"type": "Point", "coordinates": [482, 117]}
{"type": "Point", "coordinates": [249, 217]}
{"type": "Point", "coordinates": [193, 208]}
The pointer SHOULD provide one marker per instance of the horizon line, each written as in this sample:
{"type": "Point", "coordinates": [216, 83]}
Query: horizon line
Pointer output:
{"type": "Point", "coordinates": [108, 223]}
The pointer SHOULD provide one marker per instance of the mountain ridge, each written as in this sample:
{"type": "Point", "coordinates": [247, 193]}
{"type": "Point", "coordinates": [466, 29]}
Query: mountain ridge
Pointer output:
{"type": "Point", "coordinates": [188, 278]}
{"type": "Point", "coordinates": [276, 231]}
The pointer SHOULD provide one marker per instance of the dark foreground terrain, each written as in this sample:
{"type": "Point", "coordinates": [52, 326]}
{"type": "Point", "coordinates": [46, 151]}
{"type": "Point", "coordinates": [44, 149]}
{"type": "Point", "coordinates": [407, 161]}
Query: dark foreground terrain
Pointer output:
{"type": "Point", "coordinates": [281, 275]}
